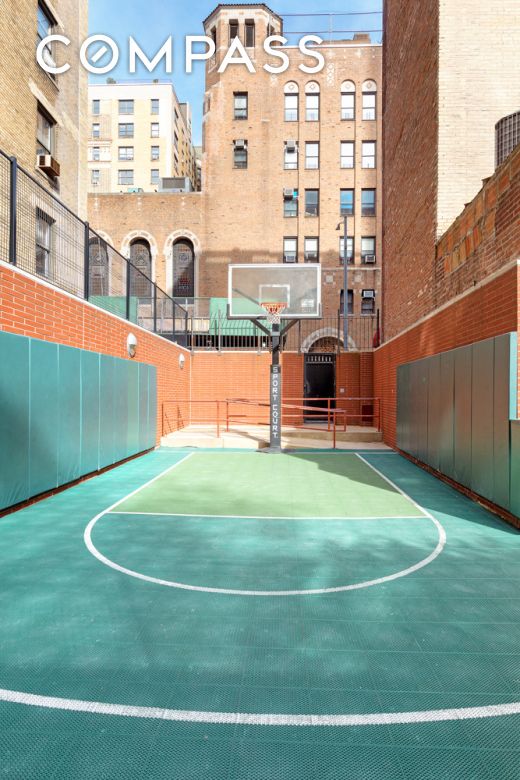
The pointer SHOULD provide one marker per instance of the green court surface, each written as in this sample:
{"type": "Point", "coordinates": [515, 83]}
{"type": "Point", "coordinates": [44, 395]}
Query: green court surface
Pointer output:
{"type": "Point", "coordinates": [243, 616]}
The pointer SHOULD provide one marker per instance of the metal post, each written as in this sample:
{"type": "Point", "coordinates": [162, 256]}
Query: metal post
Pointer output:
{"type": "Point", "coordinates": [13, 179]}
{"type": "Point", "coordinates": [155, 311]}
{"type": "Point", "coordinates": [345, 285]}
{"type": "Point", "coordinates": [86, 261]}
{"type": "Point", "coordinates": [128, 285]}
{"type": "Point", "coordinates": [275, 439]}
{"type": "Point", "coordinates": [219, 332]}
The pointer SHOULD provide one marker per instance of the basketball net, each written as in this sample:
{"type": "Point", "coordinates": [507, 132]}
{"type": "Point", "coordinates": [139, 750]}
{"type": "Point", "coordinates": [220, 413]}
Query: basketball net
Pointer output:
{"type": "Point", "coordinates": [273, 311]}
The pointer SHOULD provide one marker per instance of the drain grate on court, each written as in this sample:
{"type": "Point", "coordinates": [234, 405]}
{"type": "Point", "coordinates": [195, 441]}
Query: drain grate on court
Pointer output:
{"type": "Point", "coordinates": [252, 616]}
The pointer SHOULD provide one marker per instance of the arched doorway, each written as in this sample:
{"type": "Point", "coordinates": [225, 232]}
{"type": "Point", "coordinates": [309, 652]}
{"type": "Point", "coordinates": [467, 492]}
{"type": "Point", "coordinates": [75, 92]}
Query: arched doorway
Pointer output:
{"type": "Point", "coordinates": [141, 258]}
{"type": "Point", "coordinates": [183, 265]}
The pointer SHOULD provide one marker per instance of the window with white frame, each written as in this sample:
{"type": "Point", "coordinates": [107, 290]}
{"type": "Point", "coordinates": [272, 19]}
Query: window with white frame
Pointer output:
{"type": "Point", "coordinates": [350, 249]}
{"type": "Point", "coordinates": [154, 105]}
{"type": "Point", "coordinates": [291, 95]}
{"type": "Point", "coordinates": [348, 100]}
{"type": "Point", "coordinates": [45, 25]}
{"type": "Point", "coordinates": [96, 107]}
{"type": "Point", "coordinates": [240, 100]}
{"type": "Point", "coordinates": [368, 249]}
{"type": "Point", "coordinates": [368, 203]}
{"type": "Point", "coordinates": [346, 203]}
{"type": "Point", "coordinates": [290, 249]}
{"type": "Point", "coordinates": [290, 159]}
{"type": "Point", "coordinates": [311, 249]}
{"type": "Point", "coordinates": [290, 203]}
{"type": "Point", "coordinates": [96, 153]}
{"type": "Point", "coordinates": [126, 106]}
{"type": "Point", "coordinates": [45, 132]}
{"type": "Point", "coordinates": [155, 152]}
{"type": "Point", "coordinates": [240, 154]}
{"type": "Point", "coordinates": [125, 177]}
{"type": "Point", "coordinates": [369, 100]}
{"type": "Point", "coordinates": [368, 154]}
{"type": "Point", "coordinates": [312, 203]}
{"type": "Point", "coordinates": [312, 155]}
{"type": "Point", "coordinates": [154, 129]}
{"type": "Point", "coordinates": [44, 227]}
{"type": "Point", "coordinates": [126, 130]}
{"type": "Point", "coordinates": [312, 102]}
{"type": "Point", "coordinates": [126, 153]}
{"type": "Point", "coordinates": [347, 154]}
{"type": "Point", "coordinates": [154, 176]}
{"type": "Point", "coordinates": [368, 301]}
{"type": "Point", "coordinates": [95, 176]}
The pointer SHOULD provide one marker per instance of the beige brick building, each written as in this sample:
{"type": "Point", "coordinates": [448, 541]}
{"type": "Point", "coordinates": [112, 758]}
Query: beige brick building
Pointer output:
{"type": "Point", "coordinates": [284, 157]}
{"type": "Point", "coordinates": [139, 134]}
{"type": "Point", "coordinates": [39, 113]}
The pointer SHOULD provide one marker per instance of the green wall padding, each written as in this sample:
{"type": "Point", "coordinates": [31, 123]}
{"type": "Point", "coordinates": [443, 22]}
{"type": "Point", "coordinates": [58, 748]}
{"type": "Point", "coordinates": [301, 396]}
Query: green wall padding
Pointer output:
{"type": "Point", "coordinates": [454, 411]}
{"type": "Point", "coordinates": [66, 412]}
{"type": "Point", "coordinates": [515, 467]}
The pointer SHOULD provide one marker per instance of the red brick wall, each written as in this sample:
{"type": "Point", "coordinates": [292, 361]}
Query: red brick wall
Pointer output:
{"type": "Point", "coordinates": [490, 310]}
{"type": "Point", "coordinates": [31, 308]}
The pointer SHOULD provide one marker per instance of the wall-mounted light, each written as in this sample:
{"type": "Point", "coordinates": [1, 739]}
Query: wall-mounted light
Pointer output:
{"type": "Point", "coordinates": [182, 360]}
{"type": "Point", "coordinates": [131, 345]}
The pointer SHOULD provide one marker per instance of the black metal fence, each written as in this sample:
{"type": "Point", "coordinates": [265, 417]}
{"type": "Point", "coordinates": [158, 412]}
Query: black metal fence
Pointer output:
{"type": "Point", "coordinates": [42, 236]}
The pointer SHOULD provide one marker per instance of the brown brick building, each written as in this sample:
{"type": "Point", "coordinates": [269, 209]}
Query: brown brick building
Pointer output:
{"type": "Point", "coordinates": [284, 157]}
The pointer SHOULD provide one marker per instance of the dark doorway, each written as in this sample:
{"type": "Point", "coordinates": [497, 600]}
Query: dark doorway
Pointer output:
{"type": "Point", "coordinates": [319, 382]}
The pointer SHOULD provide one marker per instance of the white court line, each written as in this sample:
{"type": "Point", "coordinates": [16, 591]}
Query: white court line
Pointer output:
{"type": "Point", "coordinates": [271, 517]}
{"type": "Point", "coordinates": [240, 592]}
{"type": "Point", "coordinates": [260, 719]}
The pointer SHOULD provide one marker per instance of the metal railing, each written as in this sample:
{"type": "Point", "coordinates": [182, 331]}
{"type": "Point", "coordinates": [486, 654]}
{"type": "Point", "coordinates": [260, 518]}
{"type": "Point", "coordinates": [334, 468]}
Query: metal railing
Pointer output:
{"type": "Point", "coordinates": [42, 236]}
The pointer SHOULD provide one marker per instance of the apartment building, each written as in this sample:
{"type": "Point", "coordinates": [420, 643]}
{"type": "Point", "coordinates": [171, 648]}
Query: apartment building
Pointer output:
{"type": "Point", "coordinates": [42, 117]}
{"type": "Point", "coordinates": [285, 158]}
{"type": "Point", "coordinates": [139, 134]}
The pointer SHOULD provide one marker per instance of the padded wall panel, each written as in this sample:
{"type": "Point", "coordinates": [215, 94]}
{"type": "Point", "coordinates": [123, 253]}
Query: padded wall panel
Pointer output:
{"type": "Point", "coordinates": [45, 413]}
{"type": "Point", "coordinates": [446, 413]}
{"type": "Point", "coordinates": [132, 441]}
{"type": "Point", "coordinates": [14, 419]}
{"type": "Point", "coordinates": [502, 392]}
{"type": "Point", "coordinates": [403, 407]}
{"type": "Point", "coordinates": [515, 468]}
{"type": "Point", "coordinates": [106, 411]}
{"type": "Point", "coordinates": [143, 405]}
{"type": "Point", "coordinates": [420, 395]}
{"type": "Point", "coordinates": [482, 418]}
{"type": "Point", "coordinates": [69, 425]}
{"type": "Point", "coordinates": [152, 407]}
{"type": "Point", "coordinates": [120, 429]}
{"type": "Point", "coordinates": [434, 411]}
{"type": "Point", "coordinates": [89, 411]}
{"type": "Point", "coordinates": [462, 421]}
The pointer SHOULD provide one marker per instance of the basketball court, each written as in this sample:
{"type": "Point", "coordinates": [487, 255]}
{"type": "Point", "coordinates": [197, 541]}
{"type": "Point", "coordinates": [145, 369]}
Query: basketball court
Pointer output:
{"type": "Point", "coordinates": [194, 614]}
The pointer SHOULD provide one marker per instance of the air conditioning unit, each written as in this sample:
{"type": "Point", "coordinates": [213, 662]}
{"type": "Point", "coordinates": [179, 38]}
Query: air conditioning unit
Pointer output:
{"type": "Point", "coordinates": [369, 258]}
{"type": "Point", "coordinates": [288, 193]}
{"type": "Point", "coordinates": [289, 259]}
{"type": "Point", "coordinates": [47, 164]}
{"type": "Point", "coordinates": [240, 144]}
{"type": "Point", "coordinates": [368, 294]}
{"type": "Point", "coordinates": [290, 146]}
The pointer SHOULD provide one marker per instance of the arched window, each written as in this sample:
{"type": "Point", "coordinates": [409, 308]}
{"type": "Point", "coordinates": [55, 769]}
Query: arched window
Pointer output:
{"type": "Point", "coordinates": [98, 267]}
{"type": "Point", "coordinates": [291, 91]}
{"type": "Point", "coordinates": [183, 258]}
{"type": "Point", "coordinates": [369, 100]}
{"type": "Point", "coordinates": [141, 259]}
{"type": "Point", "coordinates": [312, 101]}
{"type": "Point", "coordinates": [348, 100]}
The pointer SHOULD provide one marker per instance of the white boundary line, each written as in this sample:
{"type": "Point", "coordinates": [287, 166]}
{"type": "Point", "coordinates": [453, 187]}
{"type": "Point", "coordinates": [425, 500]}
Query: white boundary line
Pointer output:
{"type": "Point", "coordinates": [268, 517]}
{"type": "Point", "coordinates": [239, 592]}
{"type": "Point", "coordinates": [260, 719]}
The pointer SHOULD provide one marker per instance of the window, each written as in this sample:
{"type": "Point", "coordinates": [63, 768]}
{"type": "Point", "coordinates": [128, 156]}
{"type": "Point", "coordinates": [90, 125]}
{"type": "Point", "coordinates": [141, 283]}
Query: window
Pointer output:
{"type": "Point", "coordinates": [240, 105]}
{"type": "Point", "coordinates": [368, 154]}
{"type": "Point", "coordinates": [347, 154]}
{"type": "Point", "coordinates": [368, 203]}
{"type": "Point", "coordinates": [45, 132]}
{"type": "Point", "coordinates": [154, 106]}
{"type": "Point", "coordinates": [350, 301]}
{"type": "Point", "coordinates": [290, 204]}
{"type": "Point", "coordinates": [250, 33]}
{"type": "Point", "coordinates": [96, 153]}
{"type": "Point", "coordinates": [94, 177]}
{"type": "Point", "coordinates": [96, 130]}
{"type": "Point", "coordinates": [291, 102]}
{"type": "Point", "coordinates": [45, 26]}
{"type": "Point", "coordinates": [126, 130]}
{"type": "Point", "coordinates": [312, 102]}
{"type": "Point", "coordinates": [350, 249]}
{"type": "Point", "coordinates": [312, 198]}
{"type": "Point", "coordinates": [346, 203]}
{"type": "Point", "coordinates": [233, 29]}
{"type": "Point", "coordinates": [96, 107]}
{"type": "Point", "coordinates": [368, 301]}
{"type": "Point", "coordinates": [368, 249]}
{"type": "Point", "coordinates": [126, 153]}
{"type": "Point", "coordinates": [141, 259]}
{"type": "Point", "coordinates": [369, 105]}
{"type": "Point", "coordinates": [290, 250]}
{"type": "Point", "coordinates": [125, 177]}
{"type": "Point", "coordinates": [312, 155]}
{"type": "Point", "coordinates": [348, 100]}
{"type": "Point", "coordinates": [155, 153]}
{"type": "Point", "coordinates": [311, 250]}
{"type": "Point", "coordinates": [154, 129]}
{"type": "Point", "coordinates": [290, 160]}
{"type": "Point", "coordinates": [240, 154]}
{"type": "Point", "coordinates": [126, 106]}
{"type": "Point", "coordinates": [154, 176]}
{"type": "Point", "coordinates": [44, 225]}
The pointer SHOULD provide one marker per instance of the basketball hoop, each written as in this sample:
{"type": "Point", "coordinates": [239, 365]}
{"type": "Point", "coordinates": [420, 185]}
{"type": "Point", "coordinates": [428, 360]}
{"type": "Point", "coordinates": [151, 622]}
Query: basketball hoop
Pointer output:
{"type": "Point", "coordinates": [273, 311]}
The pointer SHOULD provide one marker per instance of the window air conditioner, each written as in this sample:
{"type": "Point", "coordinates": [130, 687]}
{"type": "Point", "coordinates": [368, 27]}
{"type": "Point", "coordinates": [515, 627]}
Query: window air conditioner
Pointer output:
{"type": "Point", "coordinates": [369, 294]}
{"type": "Point", "coordinates": [290, 146]}
{"type": "Point", "coordinates": [240, 144]}
{"type": "Point", "coordinates": [288, 193]}
{"type": "Point", "coordinates": [47, 164]}
{"type": "Point", "coordinates": [369, 258]}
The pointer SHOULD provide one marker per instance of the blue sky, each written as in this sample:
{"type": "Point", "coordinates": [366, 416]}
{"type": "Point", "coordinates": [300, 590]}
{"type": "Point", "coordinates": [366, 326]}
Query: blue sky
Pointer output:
{"type": "Point", "coordinates": [151, 21]}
